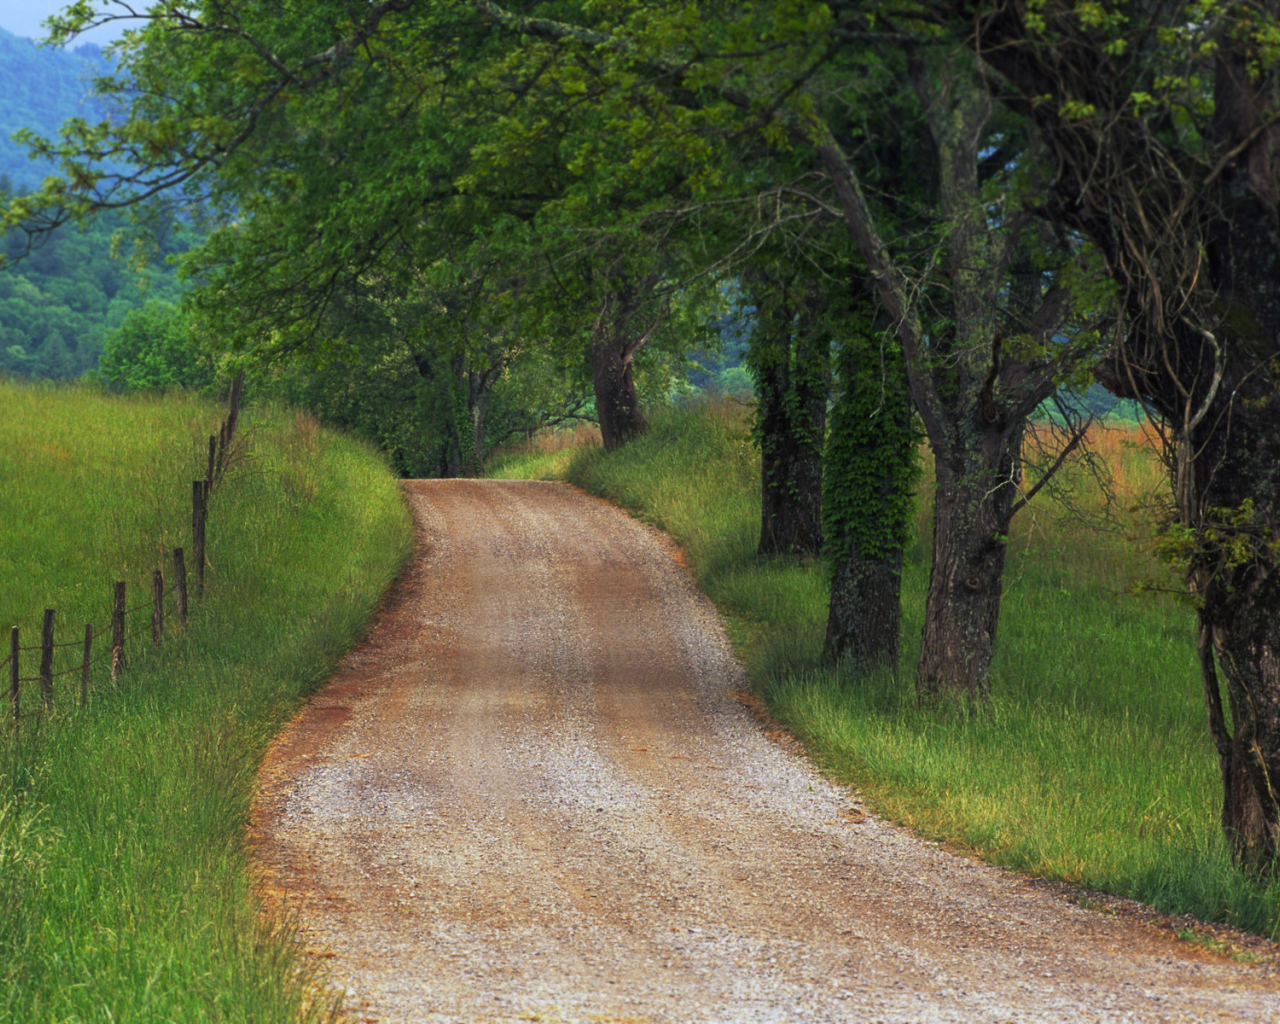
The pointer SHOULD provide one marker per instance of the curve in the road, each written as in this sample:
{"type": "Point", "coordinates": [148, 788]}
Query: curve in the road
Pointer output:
{"type": "Point", "coordinates": [530, 795]}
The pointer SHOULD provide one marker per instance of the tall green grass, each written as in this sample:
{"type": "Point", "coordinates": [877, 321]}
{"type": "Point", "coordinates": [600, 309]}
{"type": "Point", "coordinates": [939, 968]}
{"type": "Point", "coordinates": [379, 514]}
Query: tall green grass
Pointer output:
{"type": "Point", "coordinates": [124, 879]}
{"type": "Point", "coordinates": [1092, 764]}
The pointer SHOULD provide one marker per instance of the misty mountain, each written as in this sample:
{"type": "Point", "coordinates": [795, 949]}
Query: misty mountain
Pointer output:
{"type": "Point", "coordinates": [40, 88]}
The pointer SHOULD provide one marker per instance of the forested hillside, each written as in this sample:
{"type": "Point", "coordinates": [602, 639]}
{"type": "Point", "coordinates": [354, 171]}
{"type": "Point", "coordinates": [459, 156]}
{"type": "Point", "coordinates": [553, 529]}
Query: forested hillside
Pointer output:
{"type": "Point", "coordinates": [40, 88]}
{"type": "Point", "coordinates": [62, 300]}
{"type": "Point", "coordinates": [59, 303]}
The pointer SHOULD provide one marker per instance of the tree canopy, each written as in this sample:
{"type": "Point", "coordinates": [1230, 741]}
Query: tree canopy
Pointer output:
{"type": "Point", "coordinates": [1032, 193]}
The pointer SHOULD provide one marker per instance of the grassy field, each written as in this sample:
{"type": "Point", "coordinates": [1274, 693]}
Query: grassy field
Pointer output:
{"type": "Point", "coordinates": [1092, 764]}
{"type": "Point", "coordinates": [123, 874]}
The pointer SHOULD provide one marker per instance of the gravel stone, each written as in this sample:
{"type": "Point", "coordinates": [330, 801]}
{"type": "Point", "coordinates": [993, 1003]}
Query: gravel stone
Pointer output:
{"type": "Point", "coordinates": [534, 793]}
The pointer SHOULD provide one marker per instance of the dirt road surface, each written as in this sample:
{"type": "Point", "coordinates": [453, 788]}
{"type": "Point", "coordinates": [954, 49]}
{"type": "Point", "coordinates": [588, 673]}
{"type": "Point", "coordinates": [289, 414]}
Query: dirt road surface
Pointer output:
{"type": "Point", "coordinates": [530, 796]}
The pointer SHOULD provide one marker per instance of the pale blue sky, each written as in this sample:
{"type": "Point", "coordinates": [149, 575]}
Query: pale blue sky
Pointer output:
{"type": "Point", "coordinates": [23, 18]}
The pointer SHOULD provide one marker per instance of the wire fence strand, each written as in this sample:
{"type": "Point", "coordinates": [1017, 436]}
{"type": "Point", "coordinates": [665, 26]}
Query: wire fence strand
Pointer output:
{"type": "Point", "coordinates": [170, 603]}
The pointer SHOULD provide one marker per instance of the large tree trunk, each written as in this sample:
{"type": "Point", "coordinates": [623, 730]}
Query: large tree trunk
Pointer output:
{"type": "Point", "coordinates": [1226, 479]}
{"type": "Point", "coordinates": [1238, 467]}
{"type": "Point", "coordinates": [864, 618]}
{"type": "Point", "coordinates": [972, 510]}
{"type": "Point", "coordinates": [615, 339]}
{"type": "Point", "coordinates": [1249, 654]}
{"type": "Point", "coordinates": [792, 415]}
{"type": "Point", "coordinates": [869, 479]}
{"type": "Point", "coordinates": [790, 355]}
{"type": "Point", "coordinates": [617, 404]}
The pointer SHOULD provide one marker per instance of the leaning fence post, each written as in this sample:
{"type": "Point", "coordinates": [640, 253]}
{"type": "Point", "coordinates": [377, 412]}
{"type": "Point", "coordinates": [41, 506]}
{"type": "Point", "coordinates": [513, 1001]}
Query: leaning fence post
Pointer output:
{"type": "Point", "coordinates": [14, 651]}
{"type": "Point", "coordinates": [233, 413]}
{"type": "Point", "coordinates": [228, 432]}
{"type": "Point", "coordinates": [84, 666]}
{"type": "Point", "coordinates": [117, 631]}
{"type": "Point", "coordinates": [197, 532]}
{"type": "Point", "coordinates": [180, 584]}
{"type": "Point", "coordinates": [210, 466]}
{"type": "Point", "coordinates": [157, 607]}
{"type": "Point", "coordinates": [220, 461]}
{"type": "Point", "coordinates": [46, 660]}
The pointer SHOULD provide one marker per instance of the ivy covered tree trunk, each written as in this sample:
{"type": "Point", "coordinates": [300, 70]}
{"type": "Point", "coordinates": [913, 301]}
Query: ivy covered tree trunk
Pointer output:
{"type": "Point", "coordinates": [973, 396]}
{"type": "Point", "coordinates": [869, 477]}
{"type": "Point", "coordinates": [789, 355]}
{"type": "Point", "coordinates": [615, 339]}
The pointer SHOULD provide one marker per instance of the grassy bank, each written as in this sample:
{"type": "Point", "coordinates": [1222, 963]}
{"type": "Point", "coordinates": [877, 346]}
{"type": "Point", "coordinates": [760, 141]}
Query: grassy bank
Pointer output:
{"type": "Point", "coordinates": [1092, 764]}
{"type": "Point", "coordinates": [123, 873]}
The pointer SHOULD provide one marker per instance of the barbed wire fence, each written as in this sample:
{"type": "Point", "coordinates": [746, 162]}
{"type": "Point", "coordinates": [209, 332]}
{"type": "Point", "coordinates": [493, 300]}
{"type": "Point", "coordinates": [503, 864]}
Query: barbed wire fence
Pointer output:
{"type": "Point", "coordinates": [166, 604]}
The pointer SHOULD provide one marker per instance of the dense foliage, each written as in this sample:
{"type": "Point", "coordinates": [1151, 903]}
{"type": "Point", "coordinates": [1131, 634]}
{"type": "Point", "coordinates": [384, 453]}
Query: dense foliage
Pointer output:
{"type": "Point", "coordinates": [60, 304]}
{"type": "Point", "coordinates": [62, 301]}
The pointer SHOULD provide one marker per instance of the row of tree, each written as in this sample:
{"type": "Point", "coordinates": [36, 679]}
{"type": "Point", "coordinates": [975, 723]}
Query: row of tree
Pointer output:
{"type": "Point", "coordinates": [959, 205]}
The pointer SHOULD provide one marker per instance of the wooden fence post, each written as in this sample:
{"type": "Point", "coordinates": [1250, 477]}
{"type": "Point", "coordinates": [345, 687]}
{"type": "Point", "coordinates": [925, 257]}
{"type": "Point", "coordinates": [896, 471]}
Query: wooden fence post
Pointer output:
{"type": "Point", "coordinates": [210, 467]}
{"type": "Point", "coordinates": [84, 666]}
{"type": "Point", "coordinates": [222, 450]}
{"type": "Point", "coordinates": [197, 533]}
{"type": "Point", "coordinates": [180, 584]}
{"type": "Point", "coordinates": [14, 650]}
{"type": "Point", "coordinates": [233, 409]}
{"type": "Point", "coordinates": [157, 607]}
{"type": "Point", "coordinates": [46, 660]}
{"type": "Point", "coordinates": [117, 631]}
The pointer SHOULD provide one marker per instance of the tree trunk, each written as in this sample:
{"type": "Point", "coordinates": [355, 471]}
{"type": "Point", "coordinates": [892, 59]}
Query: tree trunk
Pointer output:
{"type": "Point", "coordinates": [790, 354]}
{"type": "Point", "coordinates": [792, 424]}
{"type": "Point", "coordinates": [615, 339]}
{"type": "Point", "coordinates": [1249, 654]}
{"type": "Point", "coordinates": [864, 619]}
{"type": "Point", "coordinates": [617, 405]}
{"type": "Point", "coordinates": [869, 479]}
{"type": "Point", "coordinates": [1228, 492]}
{"type": "Point", "coordinates": [972, 510]}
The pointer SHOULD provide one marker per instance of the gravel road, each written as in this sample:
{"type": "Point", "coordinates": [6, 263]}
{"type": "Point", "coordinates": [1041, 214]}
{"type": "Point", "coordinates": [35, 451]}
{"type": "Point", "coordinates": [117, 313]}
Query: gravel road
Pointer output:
{"type": "Point", "coordinates": [531, 796]}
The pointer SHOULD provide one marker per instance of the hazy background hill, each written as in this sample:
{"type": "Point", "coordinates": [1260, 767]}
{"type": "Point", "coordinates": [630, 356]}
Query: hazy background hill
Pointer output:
{"type": "Point", "coordinates": [59, 304]}
{"type": "Point", "coordinates": [40, 87]}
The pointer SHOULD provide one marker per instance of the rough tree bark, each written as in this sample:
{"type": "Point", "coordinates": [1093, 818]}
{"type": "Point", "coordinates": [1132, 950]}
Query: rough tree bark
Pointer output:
{"type": "Point", "coordinates": [614, 343]}
{"type": "Point", "coordinates": [790, 358]}
{"type": "Point", "coordinates": [973, 506]}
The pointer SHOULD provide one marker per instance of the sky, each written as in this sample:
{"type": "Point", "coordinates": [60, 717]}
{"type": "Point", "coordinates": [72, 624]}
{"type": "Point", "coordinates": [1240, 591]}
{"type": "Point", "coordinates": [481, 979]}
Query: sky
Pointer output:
{"type": "Point", "coordinates": [23, 18]}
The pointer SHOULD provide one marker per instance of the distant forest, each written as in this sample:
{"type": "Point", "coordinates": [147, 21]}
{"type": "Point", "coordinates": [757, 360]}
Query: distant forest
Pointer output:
{"type": "Point", "coordinates": [60, 302]}
{"type": "Point", "coordinates": [40, 88]}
